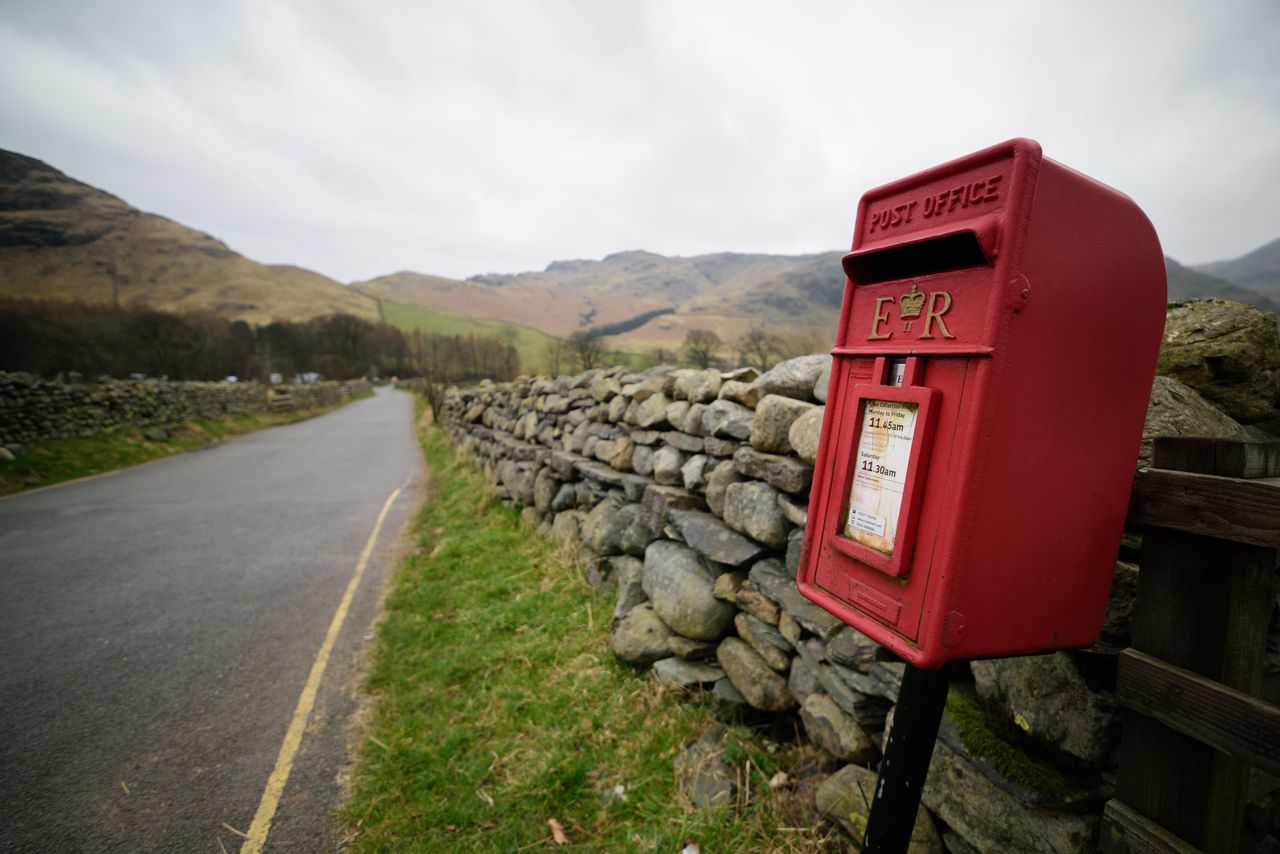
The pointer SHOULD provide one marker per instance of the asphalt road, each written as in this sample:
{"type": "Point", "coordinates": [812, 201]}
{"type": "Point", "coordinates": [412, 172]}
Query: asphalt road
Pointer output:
{"type": "Point", "coordinates": [157, 627]}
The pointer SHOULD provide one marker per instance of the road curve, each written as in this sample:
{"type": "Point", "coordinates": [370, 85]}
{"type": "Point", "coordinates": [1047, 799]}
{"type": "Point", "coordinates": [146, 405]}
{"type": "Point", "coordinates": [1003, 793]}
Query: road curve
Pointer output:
{"type": "Point", "coordinates": [158, 625]}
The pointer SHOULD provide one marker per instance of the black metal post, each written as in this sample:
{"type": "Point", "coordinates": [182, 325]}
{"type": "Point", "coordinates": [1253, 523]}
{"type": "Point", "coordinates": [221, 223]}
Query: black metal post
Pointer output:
{"type": "Point", "coordinates": [906, 760]}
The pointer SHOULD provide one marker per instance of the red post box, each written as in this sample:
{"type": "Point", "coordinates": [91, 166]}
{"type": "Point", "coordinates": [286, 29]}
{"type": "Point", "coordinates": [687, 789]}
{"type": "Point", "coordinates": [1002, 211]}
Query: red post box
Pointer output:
{"type": "Point", "coordinates": [997, 343]}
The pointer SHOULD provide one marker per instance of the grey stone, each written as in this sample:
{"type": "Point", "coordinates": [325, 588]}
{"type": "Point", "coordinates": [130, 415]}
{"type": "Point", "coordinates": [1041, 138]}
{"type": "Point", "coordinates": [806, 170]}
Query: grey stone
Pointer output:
{"type": "Point", "coordinates": [845, 797]}
{"type": "Point", "coordinates": [712, 538]}
{"type": "Point", "coordinates": [676, 412]}
{"type": "Point", "coordinates": [646, 437]}
{"type": "Point", "coordinates": [637, 536]}
{"type": "Point", "coordinates": [652, 413]}
{"type": "Point", "coordinates": [565, 498]}
{"type": "Point", "coordinates": [567, 526]}
{"type": "Point", "coordinates": [774, 416]}
{"type": "Point", "coordinates": [658, 382]}
{"type": "Point", "coordinates": [1120, 604]}
{"type": "Point", "coordinates": [531, 517]}
{"type": "Point", "coordinates": [750, 599]}
{"type": "Point", "coordinates": [686, 674]}
{"type": "Point", "coordinates": [562, 463]}
{"type": "Point", "coordinates": [852, 648]}
{"type": "Point", "coordinates": [618, 408]}
{"type": "Point", "coordinates": [1227, 351]}
{"type": "Point", "coordinates": [680, 585]}
{"type": "Point", "coordinates": [728, 697]}
{"type": "Point", "coordinates": [692, 471]}
{"type": "Point", "coordinates": [718, 481]}
{"type": "Point", "coordinates": [629, 574]}
{"type": "Point", "coordinates": [770, 578]}
{"type": "Point", "coordinates": [692, 650]}
{"type": "Point", "coordinates": [605, 388]}
{"type": "Point", "coordinates": [824, 380]}
{"type": "Point", "coordinates": [740, 392]}
{"type": "Point", "coordinates": [605, 524]}
{"type": "Point", "coordinates": [640, 637]}
{"type": "Point", "coordinates": [545, 487]}
{"type": "Point", "coordinates": [725, 419]}
{"type": "Point", "coordinates": [683, 441]}
{"type": "Point", "coordinates": [728, 584]}
{"type": "Point", "coordinates": [752, 508]}
{"type": "Point", "coordinates": [758, 639]}
{"type": "Point", "coordinates": [786, 473]}
{"type": "Point", "coordinates": [701, 772]}
{"type": "Point", "coordinates": [697, 386]}
{"type": "Point", "coordinates": [1176, 409]}
{"type": "Point", "coordinates": [868, 710]}
{"type": "Point", "coordinates": [804, 433]}
{"type": "Point", "coordinates": [155, 434]}
{"type": "Point", "coordinates": [659, 499]}
{"type": "Point", "coordinates": [720, 447]}
{"type": "Point", "coordinates": [666, 465]}
{"type": "Point", "coordinates": [762, 687]}
{"type": "Point", "coordinates": [802, 680]}
{"type": "Point", "coordinates": [692, 421]}
{"type": "Point", "coordinates": [794, 377]}
{"type": "Point", "coordinates": [796, 512]}
{"type": "Point", "coordinates": [1047, 697]}
{"type": "Point", "coordinates": [642, 460]}
{"type": "Point", "coordinates": [836, 732]}
{"type": "Point", "coordinates": [795, 549]}
{"type": "Point", "coordinates": [988, 815]}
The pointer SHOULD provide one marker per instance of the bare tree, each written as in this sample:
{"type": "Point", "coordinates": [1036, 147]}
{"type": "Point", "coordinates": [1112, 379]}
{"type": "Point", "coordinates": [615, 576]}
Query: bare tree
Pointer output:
{"type": "Point", "coordinates": [586, 349]}
{"type": "Point", "coordinates": [554, 350]}
{"type": "Point", "coordinates": [757, 346]}
{"type": "Point", "coordinates": [700, 346]}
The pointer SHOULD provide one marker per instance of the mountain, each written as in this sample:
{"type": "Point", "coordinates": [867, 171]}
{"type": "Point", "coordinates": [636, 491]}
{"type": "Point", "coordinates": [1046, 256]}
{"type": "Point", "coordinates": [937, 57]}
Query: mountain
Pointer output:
{"type": "Point", "coordinates": [662, 296]}
{"type": "Point", "coordinates": [1193, 282]}
{"type": "Point", "coordinates": [1257, 271]}
{"type": "Point", "coordinates": [63, 239]}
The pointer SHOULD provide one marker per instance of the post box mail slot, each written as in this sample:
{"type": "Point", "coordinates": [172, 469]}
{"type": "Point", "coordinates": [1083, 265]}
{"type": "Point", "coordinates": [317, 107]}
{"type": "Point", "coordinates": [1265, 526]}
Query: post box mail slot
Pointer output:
{"type": "Point", "coordinates": [997, 343]}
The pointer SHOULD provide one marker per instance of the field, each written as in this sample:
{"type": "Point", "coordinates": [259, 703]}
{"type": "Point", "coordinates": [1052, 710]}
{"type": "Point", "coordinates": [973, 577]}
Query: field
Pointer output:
{"type": "Point", "coordinates": [530, 343]}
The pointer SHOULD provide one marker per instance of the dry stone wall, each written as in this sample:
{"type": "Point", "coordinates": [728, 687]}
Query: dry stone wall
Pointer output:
{"type": "Point", "coordinates": [686, 494]}
{"type": "Point", "coordinates": [32, 409]}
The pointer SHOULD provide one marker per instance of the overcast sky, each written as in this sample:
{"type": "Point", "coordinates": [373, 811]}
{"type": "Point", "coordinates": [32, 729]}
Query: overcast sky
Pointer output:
{"type": "Point", "coordinates": [465, 137]}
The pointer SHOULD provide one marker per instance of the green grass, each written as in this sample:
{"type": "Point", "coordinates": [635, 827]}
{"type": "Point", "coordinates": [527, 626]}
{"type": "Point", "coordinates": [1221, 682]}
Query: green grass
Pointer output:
{"type": "Point", "coordinates": [530, 343]}
{"type": "Point", "coordinates": [498, 706]}
{"type": "Point", "coordinates": [53, 461]}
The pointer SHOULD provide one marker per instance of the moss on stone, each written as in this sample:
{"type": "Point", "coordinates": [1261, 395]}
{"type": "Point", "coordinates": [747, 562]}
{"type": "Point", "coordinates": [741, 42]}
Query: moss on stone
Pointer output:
{"type": "Point", "coordinates": [1016, 756]}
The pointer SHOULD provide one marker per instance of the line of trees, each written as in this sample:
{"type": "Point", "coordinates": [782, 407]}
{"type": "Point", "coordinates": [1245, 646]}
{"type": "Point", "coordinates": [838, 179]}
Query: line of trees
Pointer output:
{"type": "Point", "coordinates": [49, 338]}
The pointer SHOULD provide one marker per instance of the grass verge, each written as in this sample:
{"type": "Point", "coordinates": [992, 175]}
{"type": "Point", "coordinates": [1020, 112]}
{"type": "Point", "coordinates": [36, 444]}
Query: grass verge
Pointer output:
{"type": "Point", "coordinates": [498, 706]}
{"type": "Point", "coordinates": [53, 461]}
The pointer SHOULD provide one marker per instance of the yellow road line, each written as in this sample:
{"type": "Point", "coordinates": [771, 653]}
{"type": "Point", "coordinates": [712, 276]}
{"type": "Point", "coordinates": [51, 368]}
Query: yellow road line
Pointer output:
{"type": "Point", "coordinates": [257, 836]}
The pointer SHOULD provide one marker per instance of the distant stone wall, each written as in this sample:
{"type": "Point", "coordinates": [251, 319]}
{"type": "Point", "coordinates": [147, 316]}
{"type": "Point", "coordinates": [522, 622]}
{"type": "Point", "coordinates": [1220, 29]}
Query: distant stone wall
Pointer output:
{"type": "Point", "coordinates": [686, 493]}
{"type": "Point", "coordinates": [32, 409]}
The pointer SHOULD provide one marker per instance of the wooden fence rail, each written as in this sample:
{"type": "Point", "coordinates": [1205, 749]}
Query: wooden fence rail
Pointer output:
{"type": "Point", "coordinates": [1190, 684]}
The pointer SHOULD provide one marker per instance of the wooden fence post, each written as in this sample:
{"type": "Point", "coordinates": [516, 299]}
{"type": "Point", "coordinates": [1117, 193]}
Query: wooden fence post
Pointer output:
{"type": "Point", "coordinates": [1205, 589]}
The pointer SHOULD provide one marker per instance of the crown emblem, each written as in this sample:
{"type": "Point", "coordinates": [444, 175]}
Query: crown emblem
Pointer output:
{"type": "Point", "coordinates": [910, 304]}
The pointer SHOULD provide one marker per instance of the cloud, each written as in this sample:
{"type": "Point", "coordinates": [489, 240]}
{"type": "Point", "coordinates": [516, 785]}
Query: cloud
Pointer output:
{"type": "Point", "coordinates": [464, 137]}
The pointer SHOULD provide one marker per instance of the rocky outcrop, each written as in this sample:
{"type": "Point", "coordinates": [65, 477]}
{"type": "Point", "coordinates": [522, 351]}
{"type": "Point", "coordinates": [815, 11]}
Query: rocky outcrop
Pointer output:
{"type": "Point", "coordinates": [1227, 351]}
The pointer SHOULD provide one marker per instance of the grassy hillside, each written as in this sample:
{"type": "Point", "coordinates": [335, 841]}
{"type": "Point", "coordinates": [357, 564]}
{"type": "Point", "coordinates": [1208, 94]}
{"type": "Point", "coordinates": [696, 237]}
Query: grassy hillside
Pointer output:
{"type": "Point", "coordinates": [529, 342]}
{"type": "Point", "coordinates": [1186, 283]}
{"type": "Point", "coordinates": [726, 292]}
{"type": "Point", "coordinates": [1257, 271]}
{"type": "Point", "coordinates": [65, 240]}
